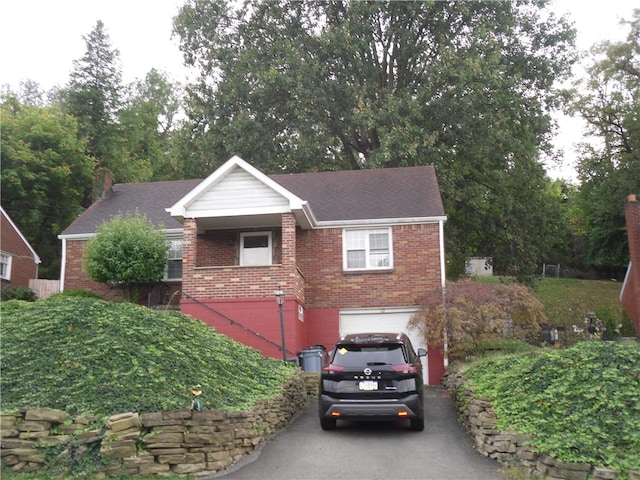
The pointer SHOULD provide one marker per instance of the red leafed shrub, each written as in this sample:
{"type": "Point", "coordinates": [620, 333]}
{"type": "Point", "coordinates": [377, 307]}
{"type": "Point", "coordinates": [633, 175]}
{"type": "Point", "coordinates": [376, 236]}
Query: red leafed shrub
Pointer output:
{"type": "Point", "coordinates": [469, 313]}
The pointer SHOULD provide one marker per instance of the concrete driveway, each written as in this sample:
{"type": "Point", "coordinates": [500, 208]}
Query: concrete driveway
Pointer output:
{"type": "Point", "coordinates": [370, 450]}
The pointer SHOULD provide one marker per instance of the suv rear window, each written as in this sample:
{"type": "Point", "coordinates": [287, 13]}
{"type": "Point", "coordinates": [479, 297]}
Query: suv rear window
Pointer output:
{"type": "Point", "coordinates": [362, 355]}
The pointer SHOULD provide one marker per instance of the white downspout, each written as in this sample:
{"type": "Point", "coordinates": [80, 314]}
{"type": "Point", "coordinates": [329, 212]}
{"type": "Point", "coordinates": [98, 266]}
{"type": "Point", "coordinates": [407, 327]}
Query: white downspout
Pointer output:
{"type": "Point", "coordinates": [443, 283]}
{"type": "Point", "coordinates": [63, 264]}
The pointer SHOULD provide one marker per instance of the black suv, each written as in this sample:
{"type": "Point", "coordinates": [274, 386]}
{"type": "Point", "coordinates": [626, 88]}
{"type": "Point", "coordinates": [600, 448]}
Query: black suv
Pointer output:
{"type": "Point", "coordinates": [372, 376]}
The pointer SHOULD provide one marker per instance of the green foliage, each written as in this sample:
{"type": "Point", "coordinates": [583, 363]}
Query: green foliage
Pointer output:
{"type": "Point", "coordinates": [465, 86]}
{"type": "Point", "coordinates": [147, 123]}
{"type": "Point", "coordinates": [45, 172]}
{"type": "Point", "coordinates": [473, 313]}
{"type": "Point", "coordinates": [18, 293]}
{"type": "Point", "coordinates": [611, 170]}
{"type": "Point", "coordinates": [88, 356]}
{"type": "Point", "coordinates": [9, 306]}
{"type": "Point", "coordinates": [79, 293]}
{"type": "Point", "coordinates": [582, 404]}
{"type": "Point", "coordinates": [503, 345]}
{"type": "Point", "coordinates": [94, 97]}
{"type": "Point", "coordinates": [127, 251]}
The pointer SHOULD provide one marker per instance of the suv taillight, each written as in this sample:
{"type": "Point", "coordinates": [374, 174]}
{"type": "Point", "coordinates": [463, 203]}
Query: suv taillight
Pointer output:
{"type": "Point", "coordinates": [332, 369]}
{"type": "Point", "coordinates": [405, 368]}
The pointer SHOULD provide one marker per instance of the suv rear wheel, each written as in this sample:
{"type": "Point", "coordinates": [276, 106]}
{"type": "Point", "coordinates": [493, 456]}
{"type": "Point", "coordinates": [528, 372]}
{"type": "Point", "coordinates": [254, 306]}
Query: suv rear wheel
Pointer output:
{"type": "Point", "coordinates": [417, 424]}
{"type": "Point", "coordinates": [329, 423]}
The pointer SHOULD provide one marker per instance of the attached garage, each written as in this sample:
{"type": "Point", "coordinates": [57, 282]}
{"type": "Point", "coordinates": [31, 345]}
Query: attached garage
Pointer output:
{"type": "Point", "coordinates": [391, 319]}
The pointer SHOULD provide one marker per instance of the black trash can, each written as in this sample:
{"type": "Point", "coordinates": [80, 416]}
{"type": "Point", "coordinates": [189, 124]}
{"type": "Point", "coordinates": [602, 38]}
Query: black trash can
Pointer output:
{"type": "Point", "coordinates": [312, 358]}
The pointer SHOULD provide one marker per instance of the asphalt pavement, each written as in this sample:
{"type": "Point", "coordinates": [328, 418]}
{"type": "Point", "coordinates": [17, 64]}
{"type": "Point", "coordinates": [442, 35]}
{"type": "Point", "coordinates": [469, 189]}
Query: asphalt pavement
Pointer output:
{"type": "Point", "coordinates": [370, 450]}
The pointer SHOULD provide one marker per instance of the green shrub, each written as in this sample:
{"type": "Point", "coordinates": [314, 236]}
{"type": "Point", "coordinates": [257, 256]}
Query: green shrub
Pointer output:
{"type": "Point", "coordinates": [127, 251]}
{"type": "Point", "coordinates": [627, 328]}
{"type": "Point", "coordinates": [80, 293]}
{"type": "Point", "coordinates": [582, 404]}
{"type": "Point", "coordinates": [504, 345]}
{"type": "Point", "coordinates": [18, 293]}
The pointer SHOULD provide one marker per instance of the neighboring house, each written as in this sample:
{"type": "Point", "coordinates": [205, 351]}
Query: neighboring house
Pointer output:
{"type": "Point", "coordinates": [630, 294]}
{"type": "Point", "coordinates": [352, 250]}
{"type": "Point", "coordinates": [18, 261]}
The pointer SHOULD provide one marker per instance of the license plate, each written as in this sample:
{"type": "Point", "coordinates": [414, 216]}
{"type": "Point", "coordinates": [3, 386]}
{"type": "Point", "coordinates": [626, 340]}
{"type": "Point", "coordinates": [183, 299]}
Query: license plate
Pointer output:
{"type": "Point", "coordinates": [368, 385]}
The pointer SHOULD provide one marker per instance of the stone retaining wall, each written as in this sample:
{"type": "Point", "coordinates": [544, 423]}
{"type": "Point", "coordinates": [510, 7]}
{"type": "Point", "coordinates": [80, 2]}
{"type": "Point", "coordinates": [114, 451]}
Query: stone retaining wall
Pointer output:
{"type": "Point", "coordinates": [160, 443]}
{"type": "Point", "coordinates": [511, 448]}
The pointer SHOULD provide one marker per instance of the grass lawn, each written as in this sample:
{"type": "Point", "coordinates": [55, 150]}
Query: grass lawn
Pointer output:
{"type": "Point", "coordinates": [566, 302]}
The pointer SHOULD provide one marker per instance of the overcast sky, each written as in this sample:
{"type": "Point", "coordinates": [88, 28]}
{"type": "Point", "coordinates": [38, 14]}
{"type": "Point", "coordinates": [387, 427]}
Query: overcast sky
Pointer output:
{"type": "Point", "coordinates": [39, 39]}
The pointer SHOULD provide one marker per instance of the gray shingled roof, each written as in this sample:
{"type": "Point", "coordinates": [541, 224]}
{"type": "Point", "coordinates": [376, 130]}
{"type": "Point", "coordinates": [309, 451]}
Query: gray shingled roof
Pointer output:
{"type": "Point", "coordinates": [409, 192]}
{"type": "Point", "coordinates": [149, 199]}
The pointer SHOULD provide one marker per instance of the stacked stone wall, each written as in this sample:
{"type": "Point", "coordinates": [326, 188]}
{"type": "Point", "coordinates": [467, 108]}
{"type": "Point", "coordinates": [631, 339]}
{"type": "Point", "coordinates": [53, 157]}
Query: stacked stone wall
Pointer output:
{"type": "Point", "coordinates": [161, 443]}
{"type": "Point", "coordinates": [511, 448]}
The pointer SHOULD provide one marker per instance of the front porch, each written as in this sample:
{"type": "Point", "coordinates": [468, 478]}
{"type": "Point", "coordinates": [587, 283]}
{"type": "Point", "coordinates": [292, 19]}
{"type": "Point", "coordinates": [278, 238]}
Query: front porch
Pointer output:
{"type": "Point", "coordinates": [223, 287]}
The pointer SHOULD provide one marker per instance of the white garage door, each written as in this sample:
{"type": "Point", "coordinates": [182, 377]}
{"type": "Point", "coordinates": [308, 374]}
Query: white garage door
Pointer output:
{"type": "Point", "coordinates": [383, 320]}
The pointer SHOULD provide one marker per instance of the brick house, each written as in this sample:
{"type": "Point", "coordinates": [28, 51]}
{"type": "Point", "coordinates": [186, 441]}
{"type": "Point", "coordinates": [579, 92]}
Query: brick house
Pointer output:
{"type": "Point", "coordinates": [18, 261]}
{"type": "Point", "coordinates": [351, 250]}
{"type": "Point", "coordinates": [630, 294]}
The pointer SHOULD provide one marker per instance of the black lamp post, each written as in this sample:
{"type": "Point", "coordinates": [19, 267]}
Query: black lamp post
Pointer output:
{"type": "Point", "coordinates": [280, 301]}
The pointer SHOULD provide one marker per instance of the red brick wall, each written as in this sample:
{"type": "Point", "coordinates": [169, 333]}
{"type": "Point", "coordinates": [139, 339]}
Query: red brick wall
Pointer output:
{"type": "Point", "coordinates": [310, 269]}
{"type": "Point", "coordinates": [416, 270]}
{"type": "Point", "coordinates": [216, 248]}
{"type": "Point", "coordinates": [631, 298]}
{"type": "Point", "coordinates": [249, 315]}
{"type": "Point", "coordinates": [310, 272]}
{"type": "Point", "coordinates": [23, 265]}
{"type": "Point", "coordinates": [211, 279]}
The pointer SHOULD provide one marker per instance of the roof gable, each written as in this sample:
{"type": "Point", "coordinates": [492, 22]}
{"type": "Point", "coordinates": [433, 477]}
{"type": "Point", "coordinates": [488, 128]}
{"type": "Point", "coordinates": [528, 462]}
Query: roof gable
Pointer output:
{"type": "Point", "coordinates": [17, 231]}
{"type": "Point", "coordinates": [236, 188]}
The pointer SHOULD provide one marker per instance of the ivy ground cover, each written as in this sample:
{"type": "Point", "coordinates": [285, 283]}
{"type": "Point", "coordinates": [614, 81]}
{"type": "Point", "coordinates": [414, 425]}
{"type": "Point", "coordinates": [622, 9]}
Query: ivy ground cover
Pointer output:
{"type": "Point", "coordinates": [582, 404]}
{"type": "Point", "coordinates": [88, 356]}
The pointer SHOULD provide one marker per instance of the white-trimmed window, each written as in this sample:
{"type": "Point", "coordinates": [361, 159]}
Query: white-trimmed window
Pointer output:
{"type": "Point", "coordinates": [367, 249]}
{"type": "Point", "coordinates": [5, 266]}
{"type": "Point", "coordinates": [173, 271]}
{"type": "Point", "coordinates": [255, 248]}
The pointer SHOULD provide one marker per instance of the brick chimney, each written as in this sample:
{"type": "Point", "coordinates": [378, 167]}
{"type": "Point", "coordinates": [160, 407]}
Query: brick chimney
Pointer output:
{"type": "Point", "coordinates": [103, 175]}
{"type": "Point", "coordinates": [631, 289]}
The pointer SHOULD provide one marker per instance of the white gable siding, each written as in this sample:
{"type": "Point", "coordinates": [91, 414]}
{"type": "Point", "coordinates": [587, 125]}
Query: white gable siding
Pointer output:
{"type": "Point", "coordinates": [238, 190]}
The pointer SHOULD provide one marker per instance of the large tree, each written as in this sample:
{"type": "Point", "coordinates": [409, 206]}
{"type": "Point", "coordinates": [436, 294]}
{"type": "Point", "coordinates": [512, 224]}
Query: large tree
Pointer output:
{"type": "Point", "coordinates": [45, 171]}
{"type": "Point", "coordinates": [94, 94]}
{"type": "Point", "coordinates": [609, 167]}
{"type": "Point", "coordinates": [149, 123]}
{"type": "Point", "coordinates": [467, 86]}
